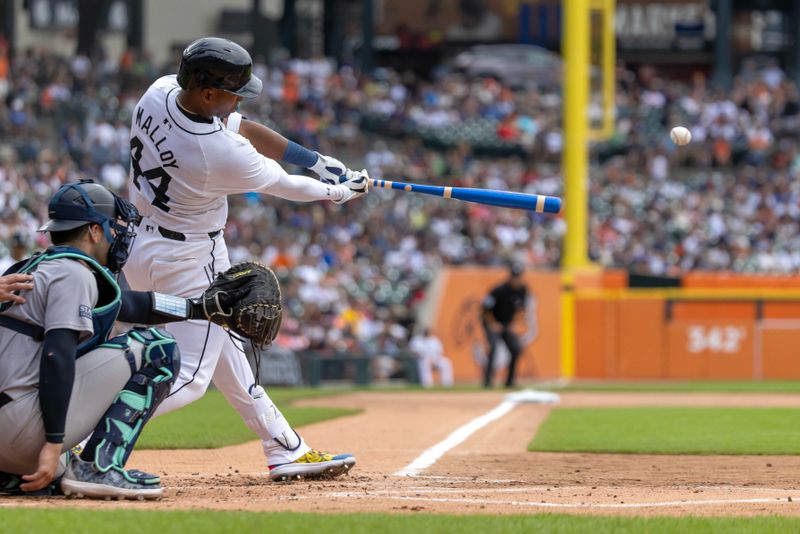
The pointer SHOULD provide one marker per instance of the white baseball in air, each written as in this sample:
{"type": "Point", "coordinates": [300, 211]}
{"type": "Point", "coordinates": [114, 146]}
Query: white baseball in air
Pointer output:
{"type": "Point", "coordinates": [680, 135]}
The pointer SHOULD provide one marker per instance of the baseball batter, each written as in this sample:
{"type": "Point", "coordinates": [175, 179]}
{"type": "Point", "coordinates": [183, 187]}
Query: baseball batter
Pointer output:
{"type": "Point", "coordinates": [189, 150]}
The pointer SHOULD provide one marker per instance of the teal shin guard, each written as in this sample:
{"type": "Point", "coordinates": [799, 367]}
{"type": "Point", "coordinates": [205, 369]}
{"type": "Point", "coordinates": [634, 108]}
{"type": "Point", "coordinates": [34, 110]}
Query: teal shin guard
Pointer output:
{"type": "Point", "coordinates": [114, 437]}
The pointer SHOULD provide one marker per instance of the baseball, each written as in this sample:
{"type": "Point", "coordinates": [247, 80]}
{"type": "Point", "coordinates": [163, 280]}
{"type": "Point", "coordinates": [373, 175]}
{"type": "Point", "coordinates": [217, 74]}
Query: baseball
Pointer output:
{"type": "Point", "coordinates": [680, 135]}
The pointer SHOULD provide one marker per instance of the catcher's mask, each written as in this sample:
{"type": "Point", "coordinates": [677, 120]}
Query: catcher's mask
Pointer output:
{"type": "Point", "coordinates": [79, 203]}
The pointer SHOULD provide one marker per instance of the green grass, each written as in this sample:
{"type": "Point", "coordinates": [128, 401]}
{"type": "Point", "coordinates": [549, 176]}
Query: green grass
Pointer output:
{"type": "Point", "coordinates": [750, 386]}
{"type": "Point", "coordinates": [671, 431]}
{"type": "Point", "coordinates": [56, 521]}
{"type": "Point", "coordinates": [211, 422]}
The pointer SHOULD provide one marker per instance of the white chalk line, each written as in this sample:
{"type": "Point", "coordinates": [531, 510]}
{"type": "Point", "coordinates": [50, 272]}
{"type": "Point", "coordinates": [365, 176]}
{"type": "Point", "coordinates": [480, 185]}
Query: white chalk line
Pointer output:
{"type": "Point", "coordinates": [544, 489]}
{"type": "Point", "coordinates": [458, 436]}
{"type": "Point", "coordinates": [654, 504]}
{"type": "Point", "coordinates": [463, 479]}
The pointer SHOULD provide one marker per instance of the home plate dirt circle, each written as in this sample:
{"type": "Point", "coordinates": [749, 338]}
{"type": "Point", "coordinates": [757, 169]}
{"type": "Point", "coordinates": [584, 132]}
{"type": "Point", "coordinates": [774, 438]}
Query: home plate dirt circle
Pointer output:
{"type": "Point", "coordinates": [489, 472]}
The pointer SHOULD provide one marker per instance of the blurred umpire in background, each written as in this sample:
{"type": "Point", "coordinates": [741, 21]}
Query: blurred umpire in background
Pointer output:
{"type": "Point", "coordinates": [500, 308]}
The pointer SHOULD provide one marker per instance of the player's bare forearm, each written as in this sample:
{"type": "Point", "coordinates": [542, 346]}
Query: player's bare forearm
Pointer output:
{"type": "Point", "coordinates": [266, 141]}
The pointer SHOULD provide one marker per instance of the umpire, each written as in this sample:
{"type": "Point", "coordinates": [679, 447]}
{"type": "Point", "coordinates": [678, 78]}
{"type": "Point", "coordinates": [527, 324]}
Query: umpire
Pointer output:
{"type": "Point", "coordinates": [500, 307]}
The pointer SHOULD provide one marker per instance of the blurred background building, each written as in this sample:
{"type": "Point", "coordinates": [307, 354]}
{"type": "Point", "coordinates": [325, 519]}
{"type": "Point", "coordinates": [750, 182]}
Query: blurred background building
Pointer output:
{"type": "Point", "coordinates": [682, 36]}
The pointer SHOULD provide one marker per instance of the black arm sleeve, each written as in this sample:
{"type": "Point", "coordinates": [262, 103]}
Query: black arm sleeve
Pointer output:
{"type": "Point", "coordinates": [137, 308]}
{"type": "Point", "coordinates": [56, 376]}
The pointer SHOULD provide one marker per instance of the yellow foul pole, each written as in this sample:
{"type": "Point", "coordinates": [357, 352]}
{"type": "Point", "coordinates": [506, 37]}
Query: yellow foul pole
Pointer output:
{"type": "Point", "coordinates": [575, 50]}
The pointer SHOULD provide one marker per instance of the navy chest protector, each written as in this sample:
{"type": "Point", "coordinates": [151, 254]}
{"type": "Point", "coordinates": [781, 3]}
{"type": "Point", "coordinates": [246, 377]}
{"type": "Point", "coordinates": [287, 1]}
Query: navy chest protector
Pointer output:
{"type": "Point", "coordinates": [108, 303]}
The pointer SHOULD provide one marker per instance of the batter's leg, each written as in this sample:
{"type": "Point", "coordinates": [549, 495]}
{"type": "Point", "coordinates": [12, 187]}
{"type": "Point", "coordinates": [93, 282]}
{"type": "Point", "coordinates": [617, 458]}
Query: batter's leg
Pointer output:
{"type": "Point", "coordinates": [200, 343]}
{"type": "Point", "coordinates": [234, 378]}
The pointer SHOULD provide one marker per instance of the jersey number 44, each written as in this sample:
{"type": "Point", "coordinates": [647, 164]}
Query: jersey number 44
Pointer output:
{"type": "Point", "coordinates": [156, 174]}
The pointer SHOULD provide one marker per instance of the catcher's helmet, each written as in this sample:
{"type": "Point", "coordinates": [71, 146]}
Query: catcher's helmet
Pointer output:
{"type": "Point", "coordinates": [68, 209]}
{"type": "Point", "coordinates": [219, 63]}
{"type": "Point", "coordinates": [80, 203]}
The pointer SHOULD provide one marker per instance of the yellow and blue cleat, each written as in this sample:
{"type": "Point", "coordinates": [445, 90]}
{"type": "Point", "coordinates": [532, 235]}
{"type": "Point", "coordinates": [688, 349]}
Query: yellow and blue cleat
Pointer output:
{"type": "Point", "coordinates": [313, 465]}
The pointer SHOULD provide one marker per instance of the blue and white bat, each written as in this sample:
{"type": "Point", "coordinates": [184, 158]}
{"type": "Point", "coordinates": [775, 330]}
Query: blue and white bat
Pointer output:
{"type": "Point", "coordinates": [492, 197]}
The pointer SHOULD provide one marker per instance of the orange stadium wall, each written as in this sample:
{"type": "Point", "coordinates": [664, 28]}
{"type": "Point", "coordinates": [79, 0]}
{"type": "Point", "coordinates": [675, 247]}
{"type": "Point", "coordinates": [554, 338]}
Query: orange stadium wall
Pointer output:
{"type": "Point", "coordinates": [634, 334]}
{"type": "Point", "coordinates": [706, 280]}
{"type": "Point", "coordinates": [648, 334]}
{"type": "Point", "coordinates": [457, 321]}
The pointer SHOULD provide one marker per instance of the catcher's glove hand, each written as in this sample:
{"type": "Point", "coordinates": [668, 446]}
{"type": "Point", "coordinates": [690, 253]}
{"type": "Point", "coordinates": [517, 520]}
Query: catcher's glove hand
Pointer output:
{"type": "Point", "coordinates": [245, 299]}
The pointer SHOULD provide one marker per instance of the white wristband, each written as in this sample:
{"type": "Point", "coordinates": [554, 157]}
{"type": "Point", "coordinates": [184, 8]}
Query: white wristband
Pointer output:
{"type": "Point", "coordinates": [170, 305]}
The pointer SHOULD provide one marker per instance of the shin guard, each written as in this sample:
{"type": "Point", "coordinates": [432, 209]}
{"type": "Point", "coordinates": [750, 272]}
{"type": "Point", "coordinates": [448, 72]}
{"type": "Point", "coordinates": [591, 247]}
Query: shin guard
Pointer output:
{"type": "Point", "coordinates": [115, 435]}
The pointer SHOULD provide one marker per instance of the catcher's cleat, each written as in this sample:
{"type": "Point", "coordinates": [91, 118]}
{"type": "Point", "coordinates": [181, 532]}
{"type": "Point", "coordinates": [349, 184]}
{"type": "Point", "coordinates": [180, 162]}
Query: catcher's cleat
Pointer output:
{"type": "Point", "coordinates": [82, 479]}
{"type": "Point", "coordinates": [10, 487]}
{"type": "Point", "coordinates": [313, 465]}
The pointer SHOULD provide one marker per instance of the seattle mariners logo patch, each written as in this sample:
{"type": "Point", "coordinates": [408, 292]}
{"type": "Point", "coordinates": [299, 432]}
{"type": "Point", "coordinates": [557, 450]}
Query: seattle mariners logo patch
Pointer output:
{"type": "Point", "coordinates": [85, 311]}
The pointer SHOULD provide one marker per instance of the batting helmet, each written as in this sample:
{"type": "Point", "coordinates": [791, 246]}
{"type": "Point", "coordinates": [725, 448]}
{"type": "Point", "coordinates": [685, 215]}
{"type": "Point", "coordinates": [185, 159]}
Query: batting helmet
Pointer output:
{"type": "Point", "coordinates": [218, 63]}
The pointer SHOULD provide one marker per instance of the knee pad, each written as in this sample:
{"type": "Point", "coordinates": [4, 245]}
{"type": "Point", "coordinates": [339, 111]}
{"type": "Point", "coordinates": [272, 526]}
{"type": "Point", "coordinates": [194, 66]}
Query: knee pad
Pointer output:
{"type": "Point", "coordinates": [161, 360]}
{"type": "Point", "coordinates": [115, 435]}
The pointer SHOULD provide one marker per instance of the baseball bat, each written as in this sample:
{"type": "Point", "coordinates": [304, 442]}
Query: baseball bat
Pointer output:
{"type": "Point", "coordinates": [492, 197]}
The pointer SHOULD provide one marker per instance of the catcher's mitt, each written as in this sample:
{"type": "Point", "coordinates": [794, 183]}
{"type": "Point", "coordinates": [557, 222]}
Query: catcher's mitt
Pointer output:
{"type": "Point", "coordinates": [245, 299]}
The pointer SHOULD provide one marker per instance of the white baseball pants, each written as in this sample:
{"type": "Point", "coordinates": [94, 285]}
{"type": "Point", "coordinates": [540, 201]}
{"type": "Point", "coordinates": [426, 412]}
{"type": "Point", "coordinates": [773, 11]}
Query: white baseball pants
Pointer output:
{"type": "Point", "coordinates": [185, 268]}
{"type": "Point", "coordinates": [426, 365]}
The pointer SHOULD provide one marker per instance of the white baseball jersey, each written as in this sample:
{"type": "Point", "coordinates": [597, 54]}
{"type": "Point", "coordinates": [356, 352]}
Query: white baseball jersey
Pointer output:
{"type": "Point", "coordinates": [182, 168]}
{"type": "Point", "coordinates": [426, 347]}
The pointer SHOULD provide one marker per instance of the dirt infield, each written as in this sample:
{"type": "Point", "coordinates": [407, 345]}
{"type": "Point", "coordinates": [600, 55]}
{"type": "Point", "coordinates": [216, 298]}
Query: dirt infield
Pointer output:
{"type": "Point", "coordinates": [489, 473]}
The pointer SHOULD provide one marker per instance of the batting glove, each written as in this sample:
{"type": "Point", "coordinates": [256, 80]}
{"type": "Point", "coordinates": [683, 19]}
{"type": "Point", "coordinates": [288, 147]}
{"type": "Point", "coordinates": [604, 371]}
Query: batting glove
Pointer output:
{"type": "Point", "coordinates": [330, 170]}
{"type": "Point", "coordinates": [353, 186]}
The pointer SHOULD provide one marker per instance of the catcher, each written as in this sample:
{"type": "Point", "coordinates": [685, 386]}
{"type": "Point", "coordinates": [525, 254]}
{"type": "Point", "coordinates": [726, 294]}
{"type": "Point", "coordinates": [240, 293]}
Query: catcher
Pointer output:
{"type": "Point", "coordinates": [77, 378]}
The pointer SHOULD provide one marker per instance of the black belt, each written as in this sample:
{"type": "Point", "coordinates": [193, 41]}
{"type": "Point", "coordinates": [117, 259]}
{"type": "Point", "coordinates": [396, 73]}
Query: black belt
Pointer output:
{"type": "Point", "coordinates": [30, 330]}
{"type": "Point", "coordinates": [177, 236]}
{"type": "Point", "coordinates": [4, 399]}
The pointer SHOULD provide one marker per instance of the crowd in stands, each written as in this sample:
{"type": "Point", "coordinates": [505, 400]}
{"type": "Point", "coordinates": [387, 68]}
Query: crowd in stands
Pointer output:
{"type": "Point", "coordinates": [352, 273]}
